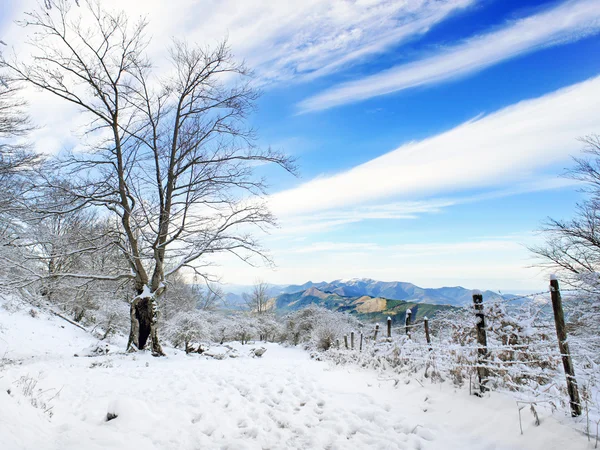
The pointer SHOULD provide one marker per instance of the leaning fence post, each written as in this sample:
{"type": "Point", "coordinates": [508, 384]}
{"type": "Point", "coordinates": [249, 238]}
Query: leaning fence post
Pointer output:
{"type": "Point", "coordinates": [346, 341]}
{"type": "Point", "coordinates": [352, 340]}
{"type": "Point", "coordinates": [389, 327]}
{"type": "Point", "coordinates": [482, 372]}
{"type": "Point", "coordinates": [361, 339]}
{"type": "Point", "coordinates": [563, 345]}
{"type": "Point", "coordinates": [407, 322]}
{"type": "Point", "coordinates": [426, 320]}
{"type": "Point", "coordinates": [376, 332]}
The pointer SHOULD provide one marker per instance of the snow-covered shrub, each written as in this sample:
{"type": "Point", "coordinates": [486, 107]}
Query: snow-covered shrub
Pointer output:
{"type": "Point", "coordinates": [187, 328]}
{"type": "Point", "coordinates": [521, 345]}
{"type": "Point", "coordinates": [318, 327]}
{"type": "Point", "coordinates": [109, 317]}
{"type": "Point", "coordinates": [243, 327]}
{"type": "Point", "coordinates": [269, 328]}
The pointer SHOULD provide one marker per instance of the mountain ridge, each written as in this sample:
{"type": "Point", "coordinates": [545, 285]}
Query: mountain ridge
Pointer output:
{"type": "Point", "coordinates": [367, 308]}
{"type": "Point", "coordinates": [391, 290]}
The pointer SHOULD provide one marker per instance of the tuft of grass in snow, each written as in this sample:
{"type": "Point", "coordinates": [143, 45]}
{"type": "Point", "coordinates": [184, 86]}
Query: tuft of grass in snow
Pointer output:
{"type": "Point", "coordinates": [37, 397]}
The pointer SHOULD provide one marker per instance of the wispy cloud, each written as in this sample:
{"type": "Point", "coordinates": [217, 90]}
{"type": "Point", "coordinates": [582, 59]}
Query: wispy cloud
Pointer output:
{"type": "Point", "coordinates": [567, 22]}
{"type": "Point", "coordinates": [305, 224]}
{"type": "Point", "coordinates": [285, 40]}
{"type": "Point", "coordinates": [282, 41]}
{"type": "Point", "coordinates": [494, 151]}
{"type": "Point", "coordinates": [305, 40]}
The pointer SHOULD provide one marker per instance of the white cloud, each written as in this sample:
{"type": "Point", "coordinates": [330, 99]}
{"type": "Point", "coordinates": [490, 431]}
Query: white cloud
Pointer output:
{"type": "Point", "coordinates": [310, 38]}
{"type": "Point", "coordinates": [567, 22]}
{"type": "Point", "coordinates": [280, 40]}
{"type": "Point", "coordinates": [501, 149]}
{"type": "Point", "coordinates": [293, 223]}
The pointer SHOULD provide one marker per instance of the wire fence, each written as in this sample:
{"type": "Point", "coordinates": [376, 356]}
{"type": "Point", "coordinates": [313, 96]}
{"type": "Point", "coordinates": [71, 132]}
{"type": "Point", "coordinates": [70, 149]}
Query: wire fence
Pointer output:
{"type": "Point", "coordinates": [521, 353]}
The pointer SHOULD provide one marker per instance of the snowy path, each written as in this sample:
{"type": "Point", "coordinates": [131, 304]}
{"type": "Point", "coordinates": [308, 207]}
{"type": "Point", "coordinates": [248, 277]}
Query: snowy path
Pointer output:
{"type": "Point", "coordinates": [283, 400]}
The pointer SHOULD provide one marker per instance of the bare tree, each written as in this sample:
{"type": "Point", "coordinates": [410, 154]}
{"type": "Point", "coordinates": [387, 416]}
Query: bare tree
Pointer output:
{"type": "Point", "coordinates": [16, 163]}
{"type": "Point", "coordinates": [573, 246]}
{"type": "Point", "coordinates": [208, 297]}
{"type": "Point", "coordinates": [257, 300]}
{"type": "Point", "coordinates": [172, 157]}
{"type": "Point", "coordinates": [15, 155]}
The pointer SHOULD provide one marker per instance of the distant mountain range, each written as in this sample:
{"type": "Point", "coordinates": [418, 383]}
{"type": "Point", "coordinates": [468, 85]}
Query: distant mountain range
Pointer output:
{"type": "Point", "coordinates": [359, 287]}
{"type": "Point", "coordinates": [368, 308]}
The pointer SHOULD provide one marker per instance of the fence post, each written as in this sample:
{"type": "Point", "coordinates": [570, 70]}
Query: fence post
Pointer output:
{"type": "Point", "coordinates": [361, 339]}
{"type": "Point", "coordinates": [389, 327]}
{"type": "Point", "coordinates": [563, 345]}
{"type": "Point", "coordinates": [352, 340]}
{"type": "Point", "coordinates": [482, 372]}
{"type": "Point", "coordinates": [407, 322]}
{"type": "Point", "coordinates": [337, 343]}
{"type": "Point", "coordinates": [376, 332]}
{"type": "Point", "coordinates": [426, 320]}
{"type": "Point", "coordinates": [346, 341]}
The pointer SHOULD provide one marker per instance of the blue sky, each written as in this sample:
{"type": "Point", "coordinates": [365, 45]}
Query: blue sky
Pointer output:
{"type": "Point", "coordinates": [430, 135]}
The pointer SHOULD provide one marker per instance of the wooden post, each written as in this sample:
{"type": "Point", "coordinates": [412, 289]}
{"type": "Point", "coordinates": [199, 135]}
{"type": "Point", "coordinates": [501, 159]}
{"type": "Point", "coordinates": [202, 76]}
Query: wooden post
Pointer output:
{"type": "Point", "coordinates": [482, 372]}
{"type": "Point", "coordinates": [346, 341]}
{"type": "Point", "coordinates": [352, 340]}
{"type": "Point", "coordinates": [361, 339]}
{"type": "Point", "coordinates": [427, 332]}
{"type": "Point", "coordinates": [337, 343]}
{"type": "Point", "coordinates": [376, 331]}
{"type": "Point", "coordinates": [563, 345]}
{"type": "Point", "coordinates": [407, 322]}
{"type": "Point", "coordinates": [389, 327]}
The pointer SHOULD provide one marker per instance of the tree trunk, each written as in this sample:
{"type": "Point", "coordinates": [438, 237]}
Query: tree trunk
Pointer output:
{"type": "Point", "coordinates": [144, 324]}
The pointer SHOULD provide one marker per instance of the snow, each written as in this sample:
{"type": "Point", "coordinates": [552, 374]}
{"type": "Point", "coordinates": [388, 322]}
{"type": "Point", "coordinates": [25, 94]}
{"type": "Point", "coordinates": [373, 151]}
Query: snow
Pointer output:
{"type": "Point", "coordinates": [146, 292]}
{"type": "Point", "coordinates": [476, 292]}
{"type": "Point", "coordinates": [282, 400]}
{"type": "Point", "coordinates": [553, 277]}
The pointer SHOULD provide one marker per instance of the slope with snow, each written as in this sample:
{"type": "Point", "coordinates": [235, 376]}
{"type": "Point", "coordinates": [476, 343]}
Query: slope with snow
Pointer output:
{"type": "Point", "coordinates": [283, 400]}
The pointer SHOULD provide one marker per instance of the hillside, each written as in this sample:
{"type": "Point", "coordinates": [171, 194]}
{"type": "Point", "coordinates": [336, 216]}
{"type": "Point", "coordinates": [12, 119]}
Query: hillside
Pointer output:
{"type": "Point", "coordinates": [54, 400]}
{"type": "Point", "coordinates": [366, 307]}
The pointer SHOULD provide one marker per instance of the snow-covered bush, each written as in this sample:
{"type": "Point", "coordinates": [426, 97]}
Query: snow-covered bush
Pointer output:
{"type": "Point", "coordinates": [521, 345]}
{"type": "Point", "coordinates": [189, 327]}
{"type": "Point", "coordinates": [268, 326]}
{"type": "Point", "coordinates": [318, 327]}
{"type": "Point", "coordinates": [243, 327]}
{"type": "Point", "coordinates": [111, 316]}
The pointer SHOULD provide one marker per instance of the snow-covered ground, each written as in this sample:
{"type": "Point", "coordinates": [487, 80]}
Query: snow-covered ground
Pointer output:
{"type": "Point", "coordinates": [282, 400]}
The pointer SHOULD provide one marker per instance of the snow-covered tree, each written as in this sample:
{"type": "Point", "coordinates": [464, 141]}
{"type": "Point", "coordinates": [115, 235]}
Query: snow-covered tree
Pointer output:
{"type": "Point", "coordinates": [16, 162]}
{"type": "Point", "coordinates": [189, 328]}
{"type": "Point", "coordinates": [173, 157]}
{"type": "Point", "coordinates": [318, 327]}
